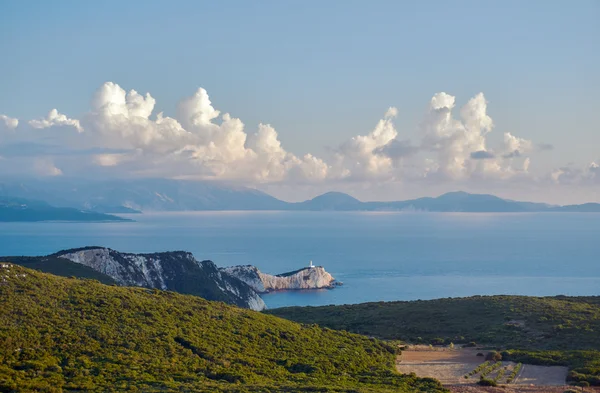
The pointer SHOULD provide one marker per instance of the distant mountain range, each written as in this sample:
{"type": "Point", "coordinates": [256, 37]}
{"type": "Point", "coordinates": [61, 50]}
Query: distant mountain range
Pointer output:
{"type": "Point", "coordinates": [450, 202]}
{"type": "Point", "coordinates": [136, 195]}
{"type": "Point", "coordinates": [19, 209]}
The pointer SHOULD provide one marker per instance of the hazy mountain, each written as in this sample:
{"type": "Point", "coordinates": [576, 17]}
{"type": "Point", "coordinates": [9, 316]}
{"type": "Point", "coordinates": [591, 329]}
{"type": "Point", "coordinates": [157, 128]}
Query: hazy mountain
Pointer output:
{"type": "Point", "coordinates": [130, 196]}
{"type": "Point", "coordinates": [20, 209]}
{"type": "Point", "coordinates": [127, 196]}
{"type": "Point", "coordinates": [584, 208]}
{"type": "Point", "coordinates": [329, 201]}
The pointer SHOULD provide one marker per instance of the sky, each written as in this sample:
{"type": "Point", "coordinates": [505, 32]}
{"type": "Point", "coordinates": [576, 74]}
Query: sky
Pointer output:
{"type": "Point", "coordinates": [385, 100]}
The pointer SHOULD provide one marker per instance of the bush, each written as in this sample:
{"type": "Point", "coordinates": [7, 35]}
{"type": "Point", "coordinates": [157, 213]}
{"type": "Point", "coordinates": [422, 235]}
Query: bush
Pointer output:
{"type": "Point", "coordinates": [487, 382]}
{"type": "Point", "coordinates": [495, 356]}
{"type": "Point", "coordinates": [472, 344]}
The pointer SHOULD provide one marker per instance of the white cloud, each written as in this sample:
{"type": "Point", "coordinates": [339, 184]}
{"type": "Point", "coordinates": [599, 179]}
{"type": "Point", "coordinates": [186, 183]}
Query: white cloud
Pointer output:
{"type": "Point", "coordinates": [54, 118]}
{"type": "Point", "coordinates": [515, 146]}
{"type": "Point", "coordinates": [362, 157]}
{"type": "Point", "coordinates": [124, 135]}
{"type": "Point", "coordinates": [455, 140]}
{"type": "Point", "coordinates": [461, 145]}
{"type": "Point", "coordinates": [9, 122]}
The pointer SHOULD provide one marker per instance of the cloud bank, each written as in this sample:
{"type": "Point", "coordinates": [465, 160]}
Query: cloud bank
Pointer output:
{"type": "Point", "coordinates": [121, 135]}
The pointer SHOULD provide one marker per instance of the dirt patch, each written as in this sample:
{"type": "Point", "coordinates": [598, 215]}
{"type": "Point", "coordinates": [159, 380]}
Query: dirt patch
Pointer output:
{"type": "Point", "coordinates": [540, 375]}
{"type": "Point", "coordinates": [447, 366]}
{"type": "Point", "coordinates": [516, 389]}
{"type": "Point", "coordinates": [450, 366]}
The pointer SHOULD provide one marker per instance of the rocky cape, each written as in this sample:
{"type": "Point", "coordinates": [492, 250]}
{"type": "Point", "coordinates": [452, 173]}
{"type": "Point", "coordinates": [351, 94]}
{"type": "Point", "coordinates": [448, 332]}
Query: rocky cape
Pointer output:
{"type": "Point", "coordinates": [176, 271]}
{"type": "Point", "coordinates": [307, 278]}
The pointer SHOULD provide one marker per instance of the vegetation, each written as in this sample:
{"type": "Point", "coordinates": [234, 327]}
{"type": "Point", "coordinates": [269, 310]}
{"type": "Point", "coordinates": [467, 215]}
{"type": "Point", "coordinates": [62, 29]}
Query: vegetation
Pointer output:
{"type": "Point", "coordinates": [514, 373]}
{"type": "Point", "coordinates": [510, 321]}
{"type": "Point", "coordinates": [491, 368]}
{"type": "Point", "coordinates": [478, 369]}
{"type": "Point", "coordinates": [59, 266]}
{"type": "Point", "coordinates": [584, 366]}
{"type": "Point", "coordinates": [60, 334]}
{"type": "Point", "coordinates": [179, 271]}
{"type": "Point", "coordinates": [487, 382]}
{"type": "Point", "coordinates": [494, 356]}
{"type": "Point", "coordinates": [499, 375]}
{"type": "Point", "coordinates": [556, 330]}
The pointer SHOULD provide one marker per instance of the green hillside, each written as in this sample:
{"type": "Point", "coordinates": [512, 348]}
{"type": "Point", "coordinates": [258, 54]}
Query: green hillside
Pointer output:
{"type": "Point", "coordinates": [540, 330]}
{"type": "Point", "coordinates": [512, 321]}
{"type": "Point", "coordinates": [61, 334]}
{"type": "Point", "coordinates": [59, 266]}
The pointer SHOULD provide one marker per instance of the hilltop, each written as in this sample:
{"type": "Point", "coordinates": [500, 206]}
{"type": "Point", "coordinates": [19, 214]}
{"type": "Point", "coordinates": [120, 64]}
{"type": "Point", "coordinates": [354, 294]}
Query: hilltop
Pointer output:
{"type": "Point", "coordinates": [65, 334]}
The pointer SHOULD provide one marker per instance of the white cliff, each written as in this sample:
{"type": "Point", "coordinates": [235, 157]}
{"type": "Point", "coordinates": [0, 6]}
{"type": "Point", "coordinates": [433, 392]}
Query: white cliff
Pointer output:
{"type": "Point", "coordinates": [314, 277]}
{"type": "Point", "coordinates": [176, 271]}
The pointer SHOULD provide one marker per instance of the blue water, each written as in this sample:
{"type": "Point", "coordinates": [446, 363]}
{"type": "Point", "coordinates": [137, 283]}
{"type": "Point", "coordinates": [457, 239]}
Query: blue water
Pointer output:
{"type": "Point", "coordinates": [378, 256]}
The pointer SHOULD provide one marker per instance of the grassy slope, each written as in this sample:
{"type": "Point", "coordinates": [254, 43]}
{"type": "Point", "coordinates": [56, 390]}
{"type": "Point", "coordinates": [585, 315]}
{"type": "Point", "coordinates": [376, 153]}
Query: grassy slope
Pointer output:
{"type": "Point", "coordinates": [549, 330]}
{"type": "Point", "coordinates": [60, 334]}
{"type": "Point", "coordinates": [60, 267]}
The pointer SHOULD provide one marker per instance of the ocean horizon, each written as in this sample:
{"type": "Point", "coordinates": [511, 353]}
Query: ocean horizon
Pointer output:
{"type": "Point", "coordinates": [378, 256]}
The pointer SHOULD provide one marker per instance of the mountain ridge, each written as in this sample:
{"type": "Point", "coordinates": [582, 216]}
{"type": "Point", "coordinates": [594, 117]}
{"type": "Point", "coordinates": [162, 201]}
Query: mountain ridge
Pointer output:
{"type": "Point", "coordinates": [132, 196]}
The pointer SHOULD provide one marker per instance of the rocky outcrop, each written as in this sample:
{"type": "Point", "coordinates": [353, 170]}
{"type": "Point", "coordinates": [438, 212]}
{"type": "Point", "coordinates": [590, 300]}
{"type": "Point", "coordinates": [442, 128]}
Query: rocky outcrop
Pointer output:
{"type": "Point", "coordinates": [177, 271]}
{"type": "Point", "coordinates": [307, 278]}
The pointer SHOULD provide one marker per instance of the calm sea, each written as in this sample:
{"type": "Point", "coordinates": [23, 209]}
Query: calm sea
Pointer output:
{"type": "Point", "coordinates": [378, 256]}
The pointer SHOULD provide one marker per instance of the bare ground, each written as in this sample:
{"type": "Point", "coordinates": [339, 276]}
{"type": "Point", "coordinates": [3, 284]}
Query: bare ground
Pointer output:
{"type": "Point", "coordinates": [516, 389]}
{"type": "Point", "coordinates": [450, 366]}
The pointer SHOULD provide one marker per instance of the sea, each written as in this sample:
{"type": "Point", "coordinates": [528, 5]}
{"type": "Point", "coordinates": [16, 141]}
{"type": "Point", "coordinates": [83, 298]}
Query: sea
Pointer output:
{"type": "Point", "coordinates": [378, 256]}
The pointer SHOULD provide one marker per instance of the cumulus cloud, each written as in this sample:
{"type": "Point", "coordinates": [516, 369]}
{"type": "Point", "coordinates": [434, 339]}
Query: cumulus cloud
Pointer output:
{"type": "Point", "coordinates": [123, 134]}
{"type": "Point", "coordinates": [9, 123]}
{"type": "Point", "coordinates": [455, 139]}
{"type": "Point", "coordinates": [362, 156]}
{"type": "Point", "coordinates": [201, 142]}
{"type": "Point", "coordinates": [515, 146]}
{"type": "Point", "coordinates": [54, 118]}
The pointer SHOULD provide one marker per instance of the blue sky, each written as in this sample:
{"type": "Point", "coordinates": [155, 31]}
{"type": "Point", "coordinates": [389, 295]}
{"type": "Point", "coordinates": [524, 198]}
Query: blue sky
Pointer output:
{"type": "Point", "coordinates": [320, 72]}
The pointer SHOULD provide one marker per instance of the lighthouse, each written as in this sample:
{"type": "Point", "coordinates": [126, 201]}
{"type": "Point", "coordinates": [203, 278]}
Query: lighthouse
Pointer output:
{"type": "Point", "coordinates": [310, 265]}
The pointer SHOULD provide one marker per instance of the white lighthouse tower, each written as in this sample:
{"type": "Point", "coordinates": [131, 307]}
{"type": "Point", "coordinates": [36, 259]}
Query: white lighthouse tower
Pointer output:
{"type": "Point", "coordinates": [310, 265]}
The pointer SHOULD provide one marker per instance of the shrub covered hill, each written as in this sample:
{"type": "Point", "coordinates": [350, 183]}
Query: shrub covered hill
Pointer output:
{"type": "Point", "coordinates": [62, 334]}
{"type": "Point", "coordinates": [556, 330]}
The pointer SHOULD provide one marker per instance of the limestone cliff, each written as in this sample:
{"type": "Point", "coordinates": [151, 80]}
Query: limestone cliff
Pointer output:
{"type": "Point", "coordinates": [307, 278]}
{"type": "Point", "coordinates": [177, 271]}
